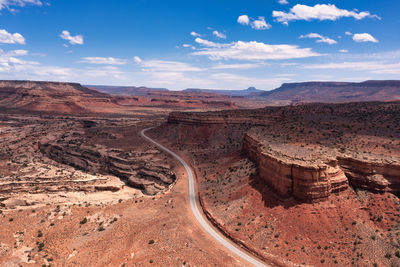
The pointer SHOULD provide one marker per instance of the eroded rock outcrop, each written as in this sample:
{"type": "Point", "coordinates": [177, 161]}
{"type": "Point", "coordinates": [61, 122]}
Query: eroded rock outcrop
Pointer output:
{"type": "Point", "coordinates": [306, 151]}
{"type": "Point", "coordinates": [307, 181]}
{"type": "Point", "coordinates": [151, 177]}
{"type": "Point", "coordinates": [315, 178]}
{"type": "Point", "coordinates": [372, 175]}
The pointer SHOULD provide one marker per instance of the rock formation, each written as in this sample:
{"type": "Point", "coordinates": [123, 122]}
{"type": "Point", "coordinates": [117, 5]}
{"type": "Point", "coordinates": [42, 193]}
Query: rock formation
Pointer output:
{"type": "Point", "coordinates": [152, 178]}
{"type": "Point", "coordinates": [301, 150]}
{"type": "Point", "coordinates": [305, 180]}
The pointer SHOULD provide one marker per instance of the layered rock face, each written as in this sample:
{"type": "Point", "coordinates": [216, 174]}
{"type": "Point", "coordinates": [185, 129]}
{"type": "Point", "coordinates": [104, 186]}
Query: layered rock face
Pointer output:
{"type": "Point", "coordinates": [152, 178]}
{"type": "Point", "coordinates": [314, 180]}
{"type": "Point", "coordinates": [290, 177]}
{"type": "Point", "coordinates": [375, 176]}
{"type": "Point", "coordinates": [306, 151]}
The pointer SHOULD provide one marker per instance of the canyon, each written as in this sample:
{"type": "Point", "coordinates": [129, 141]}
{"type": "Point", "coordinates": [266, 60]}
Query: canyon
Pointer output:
{"type": "Point", "coordinates": [292, 167]}
{"type": "Point", "coordinates": [304, 184]}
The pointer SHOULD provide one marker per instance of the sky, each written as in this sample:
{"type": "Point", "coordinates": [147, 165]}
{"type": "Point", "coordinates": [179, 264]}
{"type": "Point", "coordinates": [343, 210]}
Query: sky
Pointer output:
{"type": "Point", "coordinates": [215, 44]}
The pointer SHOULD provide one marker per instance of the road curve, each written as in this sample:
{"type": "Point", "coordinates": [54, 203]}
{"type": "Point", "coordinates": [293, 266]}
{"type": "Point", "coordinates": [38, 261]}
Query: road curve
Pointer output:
{"type": "Point", "coordinates": [196, 212]}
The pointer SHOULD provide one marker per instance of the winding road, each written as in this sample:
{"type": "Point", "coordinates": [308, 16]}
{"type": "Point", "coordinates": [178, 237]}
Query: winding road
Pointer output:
{"type": "Point", "coordinates": [196, 212]}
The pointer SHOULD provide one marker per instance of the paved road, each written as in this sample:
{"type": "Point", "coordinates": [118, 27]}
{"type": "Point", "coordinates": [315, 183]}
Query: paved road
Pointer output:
{"type": "Point", "coordinates": [196, 212]}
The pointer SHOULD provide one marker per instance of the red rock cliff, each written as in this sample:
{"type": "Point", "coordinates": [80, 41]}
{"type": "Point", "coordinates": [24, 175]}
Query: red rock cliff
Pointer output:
{"type": "Point", "coordinates": [306, 181]}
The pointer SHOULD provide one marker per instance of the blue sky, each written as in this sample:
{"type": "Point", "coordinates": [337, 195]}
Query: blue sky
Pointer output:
{"type": "Point", "coordinates": [199, 44]}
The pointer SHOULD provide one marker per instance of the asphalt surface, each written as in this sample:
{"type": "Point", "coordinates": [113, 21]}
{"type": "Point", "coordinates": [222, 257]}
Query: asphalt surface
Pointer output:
{"type": "Point", "coordinates": [196, 212]}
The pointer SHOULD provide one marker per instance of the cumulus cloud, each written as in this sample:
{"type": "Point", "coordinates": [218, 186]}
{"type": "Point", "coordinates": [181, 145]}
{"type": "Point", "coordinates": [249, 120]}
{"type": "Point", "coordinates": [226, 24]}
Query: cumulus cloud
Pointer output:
{"type": "Point", "coordinates": [11, 38]}
{"type": "Point", "coordinates": [103, 60]}
{"type": "Point", "coordinates": [253, 50]}
{"type": "Point", "coordinates": [195, 34]}
{"type": "Point", "coordinates": [10, 59]}
{"type": "Point", "coordinates": [364, 37]}
{"type": "Point", "coordinates": [219, 34]}
{"type": "Point", "coordinates": [77, 39]}
{"type": "Point", "coordinates": [283, 2]}
{"type": "Point", "coordinates": [343, 51]}
{"type": "Point", "coordinates": [318, 12]}
{"type": "Point", "coordinates": [12, 66]}
{"type": "Point", "coordinates": [260, 24]}
{"type": "Point", "coordinates": [257, 24]}
{"type": "Point", "coordinates": [243, 19]}
{"type": "Point", "coordinates": [206, 42]}
{"type": "Point", "coordinates": [20, 3]}
{"type": "Point", "coordinates": [319, 37]}
{"type": "Point", "coordinates": [348, 33]}
{"type": "Point", "coordinates": [137, 59]}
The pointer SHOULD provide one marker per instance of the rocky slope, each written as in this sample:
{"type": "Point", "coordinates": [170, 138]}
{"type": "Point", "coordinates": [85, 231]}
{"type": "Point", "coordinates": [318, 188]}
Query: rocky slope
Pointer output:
{"type": "Point", "coordinates": [51, 97]}
{"type": "Point", "coordinates": [65, 159]}
{"type": "Point", "coordinates": [309, 151]}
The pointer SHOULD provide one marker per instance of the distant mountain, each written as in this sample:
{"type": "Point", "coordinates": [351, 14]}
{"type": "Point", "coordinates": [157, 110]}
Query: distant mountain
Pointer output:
{"type": "Point", "coordinates": [59, 97]}
{"type": "Point", "coordinates": [334, 92]}
{"type": "Point", "coordinates": [73, 98]}
{"type": "Point", "coordinates": [247, 92]}
{"type": "Point", "coordinates": [125, 90]}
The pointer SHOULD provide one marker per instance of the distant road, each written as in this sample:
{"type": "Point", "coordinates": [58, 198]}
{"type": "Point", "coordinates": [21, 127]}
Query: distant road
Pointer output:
{"type": "Point", "coordinates": [196, 212]}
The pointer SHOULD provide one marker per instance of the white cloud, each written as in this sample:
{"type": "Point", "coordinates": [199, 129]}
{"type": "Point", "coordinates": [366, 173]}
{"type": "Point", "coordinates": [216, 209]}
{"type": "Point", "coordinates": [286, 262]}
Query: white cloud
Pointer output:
{"type": "Point", "coordinates": [318, 12]}
{"type": "Point", "coordinates": [321, 39]}
{"type": "Point", "coordinates": [103, 60]}
{"type": "Point", "coordinates": [237, 66]}
{"type": "Point", "coordinates": [371, 66]}
{"type": "Point", "coordinates": [12, 67]}
{"type": "Point", "coordinates": [15, 53]}
{"type": "Point", "coordinates": [343, 51]}
{"type": "Point", "coordinates": [189, 46]}
{"type": "Point", "coordinates": [137, 59]}
{"type": "Point", "coordinates": [260, 24]}
{"type": "Point", "coordinates": [77, 39]}
{"type": "Point", "coordinates": [348, 33]}
{"type": "Point", "coordinates": [11, 38]}
{"type": "Point", "coordinates": [20, 3]}
{"type": "Point", "coordinates": [219, 34]}
{"type": "Point", "coordinates": [168, 66]}
{"type": "Point", "coordinates": [364, 37]}
{"type": "Point", "coordinates": [9, 60]}
{"type": "Point", "coordinates": [257, 24]}
{"type": "Point", "coordinates": [253, 50]}
{"type": "Point", "coordinates": [288, 64]}
{"type": "Point", "coordinates": [283, 2]}
{"type": "Point", "coordinates": [243, 19]}
{"type": "Point", "coordinates": [195, 34]}
{"type": "Point", "coordinates": [206, 42]}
